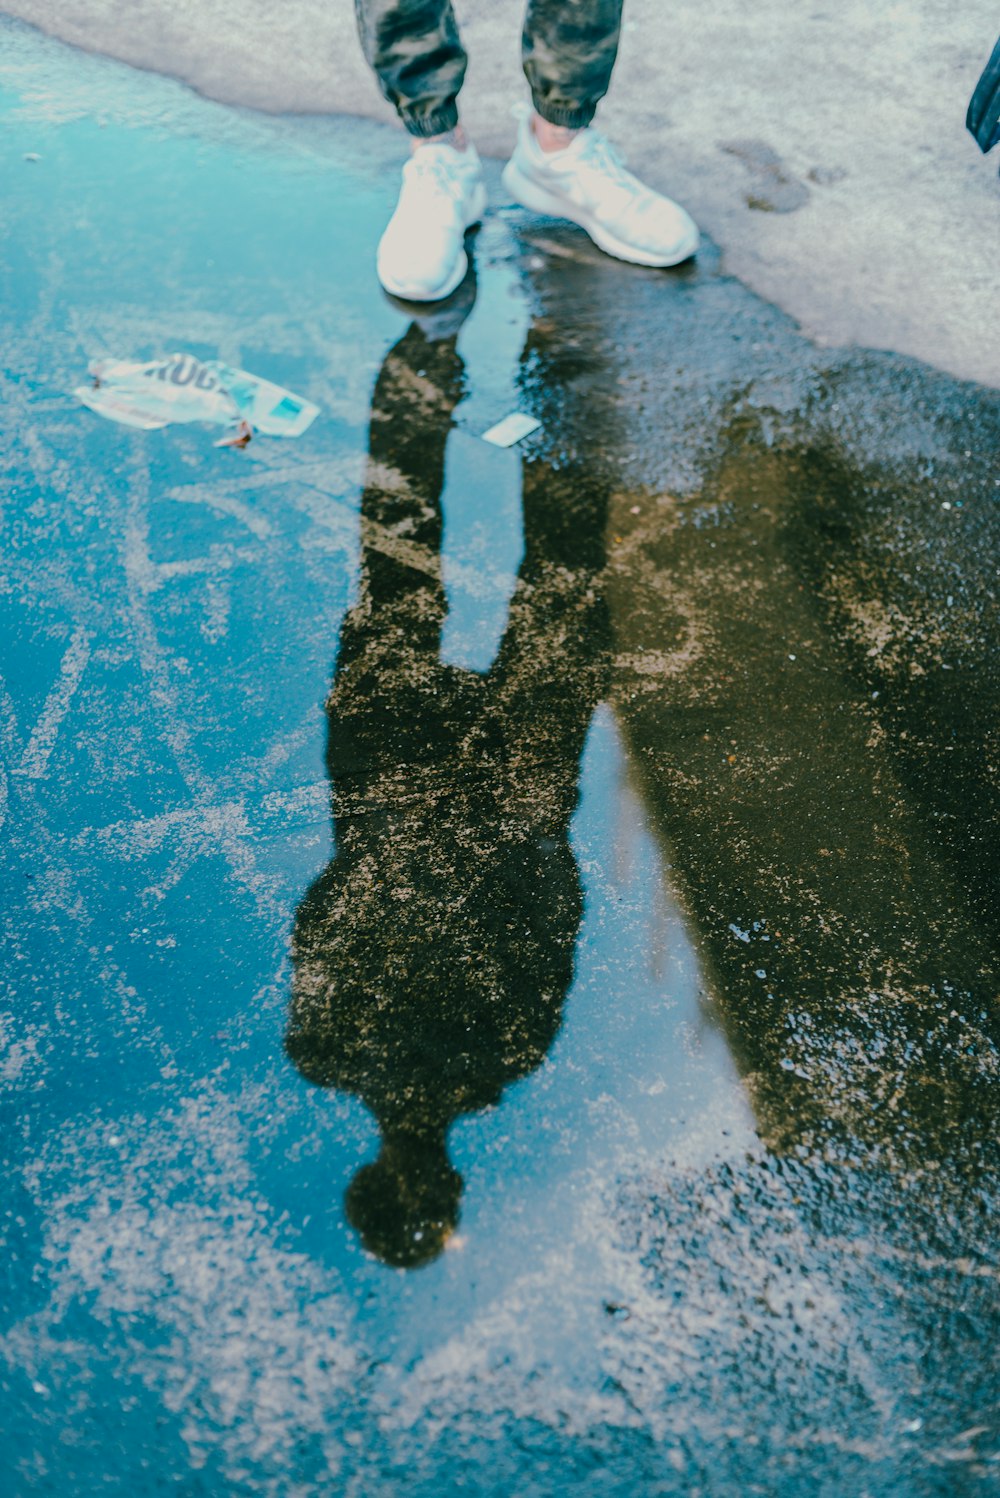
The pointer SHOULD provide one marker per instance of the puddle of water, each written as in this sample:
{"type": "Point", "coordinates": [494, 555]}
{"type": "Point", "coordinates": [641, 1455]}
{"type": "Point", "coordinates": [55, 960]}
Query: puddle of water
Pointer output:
{"type": "Point", "coordinates": [483, 544]}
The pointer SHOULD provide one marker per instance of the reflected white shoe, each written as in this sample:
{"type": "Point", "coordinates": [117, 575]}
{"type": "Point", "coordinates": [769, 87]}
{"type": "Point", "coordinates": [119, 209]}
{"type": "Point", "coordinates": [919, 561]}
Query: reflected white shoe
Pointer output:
{"type": "Point", "coordinates": [588, 183]}
{"type": "Point", "coordinates": [421, 255]}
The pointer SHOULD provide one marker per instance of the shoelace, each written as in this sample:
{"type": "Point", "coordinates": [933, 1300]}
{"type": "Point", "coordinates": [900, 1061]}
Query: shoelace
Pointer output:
{"type": "Point", "coordinates": [429, 164]}
{"type": "Point", "coordinates": [597, 152]}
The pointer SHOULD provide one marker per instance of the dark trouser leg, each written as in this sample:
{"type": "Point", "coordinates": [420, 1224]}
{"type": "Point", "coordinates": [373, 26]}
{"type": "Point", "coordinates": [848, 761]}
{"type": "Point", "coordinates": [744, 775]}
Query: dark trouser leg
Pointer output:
{"type": "Point", "coordinates": [417, 55]}
{"type": "Point", "coordinates": [569, 49]}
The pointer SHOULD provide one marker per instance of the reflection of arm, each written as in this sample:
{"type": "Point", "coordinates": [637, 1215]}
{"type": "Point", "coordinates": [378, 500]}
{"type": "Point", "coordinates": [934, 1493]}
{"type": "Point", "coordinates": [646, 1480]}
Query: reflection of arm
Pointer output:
{"type": "Point", "coordinates": [553, 659]}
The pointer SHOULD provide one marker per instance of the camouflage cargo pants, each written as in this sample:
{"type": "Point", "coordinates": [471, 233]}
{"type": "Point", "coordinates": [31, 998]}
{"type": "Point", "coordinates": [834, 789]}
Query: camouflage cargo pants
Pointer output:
{"type": "Point", "coordinates": [568, 49]}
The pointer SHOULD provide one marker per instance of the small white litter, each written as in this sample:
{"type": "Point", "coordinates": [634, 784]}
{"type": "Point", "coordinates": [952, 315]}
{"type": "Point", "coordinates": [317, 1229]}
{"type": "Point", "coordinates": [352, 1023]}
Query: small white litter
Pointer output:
{"type": "Point", "coordinates": [511, 429]}
{"type": "Point", "coordinates": [182, 388]}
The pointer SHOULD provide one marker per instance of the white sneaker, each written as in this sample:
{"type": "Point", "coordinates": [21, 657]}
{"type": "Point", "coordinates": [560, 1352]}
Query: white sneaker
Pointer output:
{"type": "Point", "coordinates": [421, 255]}
{"type": "Point", "coordinates": [588, 183]}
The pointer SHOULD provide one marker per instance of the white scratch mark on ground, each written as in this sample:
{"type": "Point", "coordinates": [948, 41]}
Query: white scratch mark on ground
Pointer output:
{"type": "Point", "coordinates": [211, 824]}
{"type": "Point", "coordinates": [10, 737]}
{"type": "Point", "coordinates": [36, 756]}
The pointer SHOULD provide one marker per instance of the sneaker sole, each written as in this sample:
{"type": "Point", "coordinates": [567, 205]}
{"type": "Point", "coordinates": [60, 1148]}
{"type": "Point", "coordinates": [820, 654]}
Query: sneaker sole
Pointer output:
{"type": "Point", "coordinates": [530, 195]}
{"type": "Point", "coordinates": [407, 293]}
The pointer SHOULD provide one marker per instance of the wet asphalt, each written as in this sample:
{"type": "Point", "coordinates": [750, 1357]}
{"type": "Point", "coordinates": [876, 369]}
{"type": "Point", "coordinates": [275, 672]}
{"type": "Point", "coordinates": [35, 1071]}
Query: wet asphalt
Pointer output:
{"type": "Point", "coordinates": [500, 946]}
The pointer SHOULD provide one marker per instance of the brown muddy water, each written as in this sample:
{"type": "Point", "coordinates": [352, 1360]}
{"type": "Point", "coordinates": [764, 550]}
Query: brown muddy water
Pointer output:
{"type": "Point", "coordinates": [499, 984]}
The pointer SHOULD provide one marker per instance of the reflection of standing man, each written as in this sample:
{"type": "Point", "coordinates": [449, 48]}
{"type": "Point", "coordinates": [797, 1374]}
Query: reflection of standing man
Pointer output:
{"type": "Point", "coordinates": [433, 954]}
{"type": "Point", "coordinates": [560, 166]}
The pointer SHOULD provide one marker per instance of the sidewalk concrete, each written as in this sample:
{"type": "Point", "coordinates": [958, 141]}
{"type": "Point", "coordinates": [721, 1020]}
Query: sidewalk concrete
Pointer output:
{"type": "Point", "coordinates": [822, 148]}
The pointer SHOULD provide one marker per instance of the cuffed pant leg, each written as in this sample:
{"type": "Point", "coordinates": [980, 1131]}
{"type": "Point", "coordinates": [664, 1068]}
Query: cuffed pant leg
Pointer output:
{"type": "Point", "coordinates": [569, 48]}
{"type": "Point", "coordinates": [415, 50]}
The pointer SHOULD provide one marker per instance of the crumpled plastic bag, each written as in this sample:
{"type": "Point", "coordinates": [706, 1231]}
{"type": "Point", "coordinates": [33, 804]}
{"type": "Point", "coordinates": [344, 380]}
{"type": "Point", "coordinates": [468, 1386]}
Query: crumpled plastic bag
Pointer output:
{"type": "Point", "coordinates": [182, 388]}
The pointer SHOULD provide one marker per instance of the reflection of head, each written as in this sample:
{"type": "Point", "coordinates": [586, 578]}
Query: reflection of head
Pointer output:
{"type": "Point", "coordinates": [405, 1205]}
{"type": "Point", "coordinates": [427, 1012]}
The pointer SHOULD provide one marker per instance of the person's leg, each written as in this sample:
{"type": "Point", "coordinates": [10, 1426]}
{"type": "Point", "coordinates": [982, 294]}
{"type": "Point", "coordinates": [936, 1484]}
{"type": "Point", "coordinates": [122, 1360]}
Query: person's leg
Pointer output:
{"type": "Point", "coordinates": [563, 167]}
{"type": "Point", "coordinates": [417, 55]}
{"type": "Point", "coordinates": [569, 51]}
{"type": "Point", "coordinates": [415, 51]}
